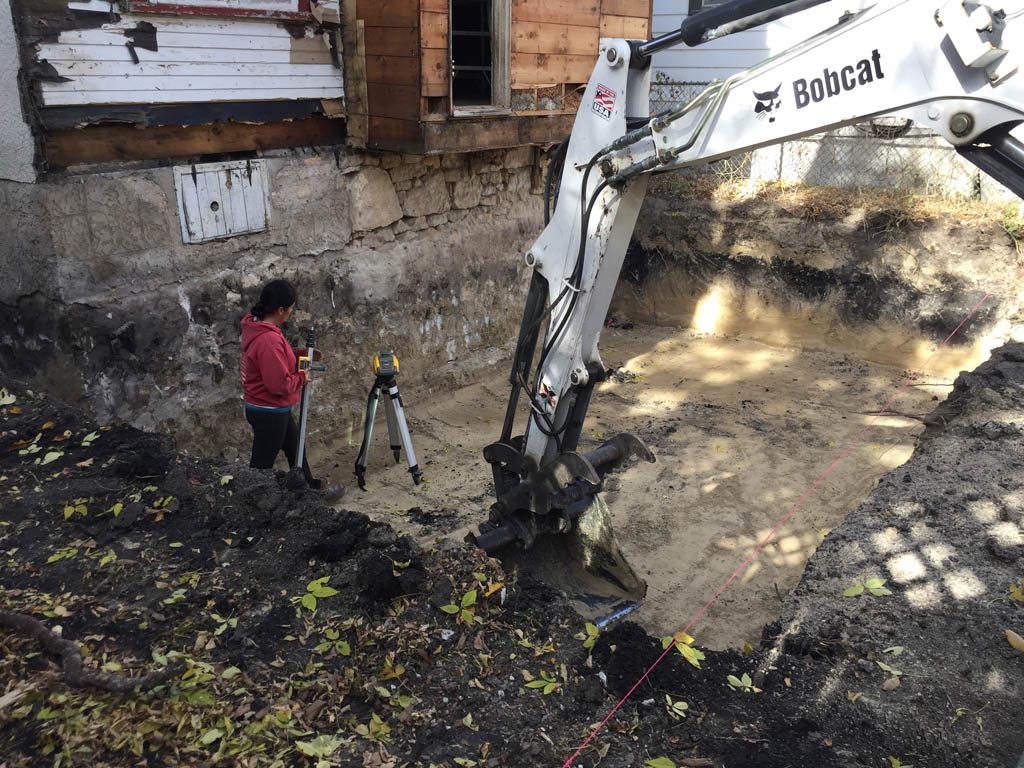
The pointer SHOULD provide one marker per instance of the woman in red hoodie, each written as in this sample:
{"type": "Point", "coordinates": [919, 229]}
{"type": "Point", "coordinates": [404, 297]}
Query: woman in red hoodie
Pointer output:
{"type": "Point", "coordinates": [272, 383]}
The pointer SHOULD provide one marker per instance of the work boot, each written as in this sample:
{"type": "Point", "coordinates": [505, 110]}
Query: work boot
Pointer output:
{"type": "Point", "coordinates": [332, 492]}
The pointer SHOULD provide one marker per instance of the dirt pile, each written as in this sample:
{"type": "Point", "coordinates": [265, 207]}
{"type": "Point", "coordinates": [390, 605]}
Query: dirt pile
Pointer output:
{"type": "Point", "coordinates": [316, 636]}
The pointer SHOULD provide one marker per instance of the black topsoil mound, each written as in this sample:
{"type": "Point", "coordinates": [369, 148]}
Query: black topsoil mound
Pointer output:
{"type": "Point", "coordinates": [317, 636]}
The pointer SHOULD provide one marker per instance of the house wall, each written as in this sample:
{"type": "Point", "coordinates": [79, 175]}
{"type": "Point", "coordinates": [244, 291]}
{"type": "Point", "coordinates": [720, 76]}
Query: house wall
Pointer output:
{"type": "Point", "coordinates": [555, 42]}
{"type": "Point", "coordinates": [105, 305]}
{"type": "Point", "coordinates": [197, 60]}
{"type": "Point", "coordinates": [726, 56]}
{"type": "Point", "coordinates": [93, 75]}
{"type": "Point", "coordinates": [403, 45]}
{"type": "Point", "coordinates": [390, 52]}
{"type": "Point", "coordinates": [17, 147]}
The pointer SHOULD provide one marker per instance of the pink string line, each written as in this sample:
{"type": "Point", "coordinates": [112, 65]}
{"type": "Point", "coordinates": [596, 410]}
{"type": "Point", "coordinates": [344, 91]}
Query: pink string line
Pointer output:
{"type": "Point", "coordinates": [771, 534]}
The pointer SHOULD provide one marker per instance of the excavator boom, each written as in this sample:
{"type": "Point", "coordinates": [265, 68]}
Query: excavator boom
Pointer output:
{"type": "Point", "coordinates": [956, 74]}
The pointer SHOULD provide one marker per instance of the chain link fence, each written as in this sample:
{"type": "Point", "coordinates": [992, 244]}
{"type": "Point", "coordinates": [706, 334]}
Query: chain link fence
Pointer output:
{"type": "Point", "coordinates": [884, 153]}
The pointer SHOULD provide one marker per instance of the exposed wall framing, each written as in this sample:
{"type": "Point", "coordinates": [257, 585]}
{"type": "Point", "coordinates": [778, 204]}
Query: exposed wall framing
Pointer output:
{"type": "Point", "coordinates": [552, 46]}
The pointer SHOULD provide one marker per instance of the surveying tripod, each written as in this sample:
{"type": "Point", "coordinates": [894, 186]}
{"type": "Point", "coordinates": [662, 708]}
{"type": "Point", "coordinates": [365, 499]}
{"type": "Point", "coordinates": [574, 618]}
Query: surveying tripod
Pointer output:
{"type": "Point", "coordinates": [385, 368]}
{"type": "Point", "coordinates": [306, 363]}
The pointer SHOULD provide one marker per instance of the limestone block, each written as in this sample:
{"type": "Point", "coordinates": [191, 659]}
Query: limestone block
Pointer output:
{"type": "Point", "coordinates": [486, 162]}
{"type": "Point", "coordinates": [65, 199]}
{"type": "Point", "coordinates": [389, 161]}
{"type": "Point", "coordinates": [518, 180]}
{"type": "Point", "coordinates": [489, 200]}
{"type": "Point", "coordinates": [455, 174]}
{"type": "Point", "coordinates": [437, 219]}
{"type": "Point", "coordinates": [420, 222]}
{"type": "Point", "coordinates": [71, 236]}
{"type": "Point", "coordinates": [520, 157]}
{"type": "Point", "coordinates": [466, 193]}
{"type": "Point", "coordinates": [453, 161]}
{"type": "Point", "coordinates": [379, 237]}
{"type": "Point", "coordinates": [372, 200]}
{"type": "Point", "coordinates": [318, 229]}
{"type": "Point", "coordinates": [406, 171]}
{"type": "Point", "coordinates": [430, 197]}
{"type": "Point", "coordinates": [399, 227]}
{"type": "Point", "coordinates": [403, 186]}
{"type": "Point", "coordinates": [431, 161]}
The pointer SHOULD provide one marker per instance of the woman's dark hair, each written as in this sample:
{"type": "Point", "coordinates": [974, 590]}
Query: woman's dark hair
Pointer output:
{"type": "Point", "coordinates": [275, 295]}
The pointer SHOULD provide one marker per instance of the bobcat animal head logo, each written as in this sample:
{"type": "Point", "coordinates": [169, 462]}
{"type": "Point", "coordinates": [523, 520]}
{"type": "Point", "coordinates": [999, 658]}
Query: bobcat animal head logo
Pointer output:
{"type": "Point", "coordinates": [767, 103]}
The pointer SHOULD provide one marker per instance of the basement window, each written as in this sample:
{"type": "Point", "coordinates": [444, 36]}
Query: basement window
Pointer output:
{"type": "Point", "coordinates": [480, 55]}
{"type": "Point", "coordinates": [220, 200]}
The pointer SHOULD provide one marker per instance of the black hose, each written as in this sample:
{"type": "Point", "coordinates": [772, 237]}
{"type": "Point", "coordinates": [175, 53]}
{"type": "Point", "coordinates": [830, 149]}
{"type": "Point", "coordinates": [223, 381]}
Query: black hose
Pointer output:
{"type": "Point", "coordinates": [554, 167]}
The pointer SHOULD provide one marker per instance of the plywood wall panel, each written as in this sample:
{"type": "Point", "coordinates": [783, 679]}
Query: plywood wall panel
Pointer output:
{"type": "Point", "coordinates": [395, 135]}
{"type": "Point", "coordinates": [398, 101]}
{"type": "Point", "coordinates": [392, 70]}
{"type": "Point", "coordinates": [538, 69]}
{"type": "Point", "coordinates": [537, 37]}
{"type": "Point", "coordinates": [434, 71]}
{"type": "Point", "coordinates": [576, 12]}
{"type": "Point", "coordinates": [628, 27]}
{"type": "Point", "coordinates": [434, 30]}
{"type": "Point", "coordinates": [391, 41]}
{"type": "Point", "coordinates": [389, 13]}
{"type": "Point", "coordinates": [637, 8]}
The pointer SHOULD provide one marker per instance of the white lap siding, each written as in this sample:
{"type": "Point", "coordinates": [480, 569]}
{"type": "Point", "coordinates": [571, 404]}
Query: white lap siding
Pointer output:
{"type": "Point", "coordinates": [197, 60]}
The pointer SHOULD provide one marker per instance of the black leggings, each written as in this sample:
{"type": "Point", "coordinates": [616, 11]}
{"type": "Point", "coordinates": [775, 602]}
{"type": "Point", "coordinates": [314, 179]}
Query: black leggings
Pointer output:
{"type": "Point", "coordinates": [273, 432]}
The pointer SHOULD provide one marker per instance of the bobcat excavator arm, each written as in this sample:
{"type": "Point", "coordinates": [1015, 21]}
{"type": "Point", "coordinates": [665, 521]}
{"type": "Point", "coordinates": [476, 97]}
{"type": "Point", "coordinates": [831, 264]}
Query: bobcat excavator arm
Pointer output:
{"type": "Point", "coordinates": [950, 67]}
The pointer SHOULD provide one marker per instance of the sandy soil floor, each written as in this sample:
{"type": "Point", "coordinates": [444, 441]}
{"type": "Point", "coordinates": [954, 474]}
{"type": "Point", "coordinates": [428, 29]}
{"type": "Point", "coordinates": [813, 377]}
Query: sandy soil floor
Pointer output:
{"type": "Point", "coordinates": [741, 429]}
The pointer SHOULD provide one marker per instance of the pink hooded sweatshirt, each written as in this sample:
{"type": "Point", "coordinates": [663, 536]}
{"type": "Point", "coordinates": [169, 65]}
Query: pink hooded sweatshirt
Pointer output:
{"type": "Point", "coordinates": [269, 366]}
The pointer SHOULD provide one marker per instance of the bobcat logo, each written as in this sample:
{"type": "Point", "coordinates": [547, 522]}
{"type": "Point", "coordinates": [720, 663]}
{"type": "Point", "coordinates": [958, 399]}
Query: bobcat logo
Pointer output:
{"type": "Point", "coordinates": [767, 103]}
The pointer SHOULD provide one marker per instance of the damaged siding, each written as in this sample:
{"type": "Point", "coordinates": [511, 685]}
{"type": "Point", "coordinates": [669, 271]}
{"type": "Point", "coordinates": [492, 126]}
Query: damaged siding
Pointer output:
{"type": "Point", "coordinates": [154, 59]}
{"type": "Point", "coordinates": [223, 76]}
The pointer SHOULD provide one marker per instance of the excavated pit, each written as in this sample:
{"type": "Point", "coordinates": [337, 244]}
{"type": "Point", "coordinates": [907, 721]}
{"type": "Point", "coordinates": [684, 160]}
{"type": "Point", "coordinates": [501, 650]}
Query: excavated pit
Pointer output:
{"type": "Point", "coordinates": [748, 364]}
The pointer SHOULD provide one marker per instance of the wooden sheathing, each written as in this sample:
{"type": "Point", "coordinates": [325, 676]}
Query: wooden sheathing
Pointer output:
{"type": "Point", "coordinates": [555, 45]}
{"type": "Point", "coordinates": [405, 51]}
{"type": "Point", "coordinates": [112, 143]}
{"type": "Point", "coordinates": [435, 71]}
{"type": "Point", "coordinates": [356, 96]}
{"type": "Point", "coordinates": [391, 37]}
{"type": "Point", "coordinates": [88, 66]}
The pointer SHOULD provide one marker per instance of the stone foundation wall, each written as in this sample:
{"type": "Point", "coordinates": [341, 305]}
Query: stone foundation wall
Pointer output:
{"type": "Point", "coordinates": [420, 255]}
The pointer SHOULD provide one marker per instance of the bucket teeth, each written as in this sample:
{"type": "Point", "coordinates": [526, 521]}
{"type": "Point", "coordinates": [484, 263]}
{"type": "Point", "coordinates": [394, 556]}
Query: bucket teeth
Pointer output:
{"type": "Point", "coordinates": [563, 528]}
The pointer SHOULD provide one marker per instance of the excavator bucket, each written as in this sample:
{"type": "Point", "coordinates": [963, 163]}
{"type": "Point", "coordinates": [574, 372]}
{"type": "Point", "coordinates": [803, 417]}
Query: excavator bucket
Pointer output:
{"type": "Point", "coordinates": [570, 545]}
{"type": "Point", "coordinates": [586, 565]}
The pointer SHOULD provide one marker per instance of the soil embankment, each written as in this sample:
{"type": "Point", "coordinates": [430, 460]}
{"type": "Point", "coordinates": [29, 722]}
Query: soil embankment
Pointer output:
{"type": "Point", "coordinates": [146, 556]}
{"type": "Point", "coordinates": [317, 636]}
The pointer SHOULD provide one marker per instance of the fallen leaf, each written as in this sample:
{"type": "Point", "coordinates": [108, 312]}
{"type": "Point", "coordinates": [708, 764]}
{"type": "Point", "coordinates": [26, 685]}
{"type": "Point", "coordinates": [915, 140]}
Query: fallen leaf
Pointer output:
{"type": "Point", "coordinates": [891, 684]}
{"type": "Point", "coordinates": [1016, 641]}
{"type": "Point", "coordinates": [51, 456]}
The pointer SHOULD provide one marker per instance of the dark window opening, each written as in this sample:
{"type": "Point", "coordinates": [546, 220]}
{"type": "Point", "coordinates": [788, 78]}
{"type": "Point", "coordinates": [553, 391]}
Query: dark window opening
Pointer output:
{"type": "Point", "coordinates": [471, 53]}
